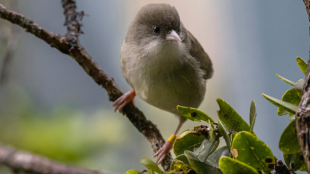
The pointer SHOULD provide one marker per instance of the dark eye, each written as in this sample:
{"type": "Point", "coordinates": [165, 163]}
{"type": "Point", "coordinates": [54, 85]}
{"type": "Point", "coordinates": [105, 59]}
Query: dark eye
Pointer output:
{"type": "Point", "coordinates": [156, 30]}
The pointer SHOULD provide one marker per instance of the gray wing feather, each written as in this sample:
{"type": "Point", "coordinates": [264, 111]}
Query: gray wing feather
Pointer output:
{"type": "Point", "coordinates": [201, 56]}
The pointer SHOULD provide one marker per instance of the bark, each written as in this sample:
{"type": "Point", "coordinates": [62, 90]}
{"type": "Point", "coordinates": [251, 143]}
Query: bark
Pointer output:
{"type": "Point", "coordinates": [303, 112]}
{"type": "Point", "coordinates": [70, 45]}
{"type": "Point", "coordinates": [29, 163]}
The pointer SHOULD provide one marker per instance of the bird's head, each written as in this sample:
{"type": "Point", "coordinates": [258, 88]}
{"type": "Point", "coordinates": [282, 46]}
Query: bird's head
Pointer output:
{"type": "Point", "coordinates": [157, 22]}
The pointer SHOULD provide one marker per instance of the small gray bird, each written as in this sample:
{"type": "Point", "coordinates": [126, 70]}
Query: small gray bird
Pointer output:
{"type": "Point", "coordinates": [164, 64]}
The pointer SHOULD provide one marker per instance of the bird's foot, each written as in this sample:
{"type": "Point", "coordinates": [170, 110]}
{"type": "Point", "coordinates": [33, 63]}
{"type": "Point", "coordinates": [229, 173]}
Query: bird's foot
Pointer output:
{"type": "Point", "coordinates": [162, 152]}
{"type": "Point", "coordinates": [121, 102]}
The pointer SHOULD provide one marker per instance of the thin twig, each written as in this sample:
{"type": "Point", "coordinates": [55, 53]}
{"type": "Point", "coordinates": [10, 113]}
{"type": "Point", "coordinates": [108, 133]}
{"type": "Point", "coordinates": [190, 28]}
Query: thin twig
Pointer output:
{"type": "Point", "coordinates": [71, 46]}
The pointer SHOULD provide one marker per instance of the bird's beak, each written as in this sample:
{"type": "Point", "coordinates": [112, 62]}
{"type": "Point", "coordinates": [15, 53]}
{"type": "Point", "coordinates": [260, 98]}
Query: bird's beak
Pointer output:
{"type": "Point", "coordinates": [172, 35]}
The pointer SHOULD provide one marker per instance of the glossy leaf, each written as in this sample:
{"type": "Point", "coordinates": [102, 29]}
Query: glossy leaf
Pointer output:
{"type": "Point", "coordinates": [286, 80]}
{"type": "Point", "coordinates": [230, 118]}
{"type": "Point", "coordinates": [288, 141]}
{"type": "Point", "coordinates": [132, 172]}
{"type": "Point", "coordinates": [214, 158]}
{"type": "Point", "coordinates": [150, 165]}
{"type": "Point", "coordinates": [182, 158]}
{"type": "Point", "coordinates": [200, 167]}
{"type": "Point", "coordinates": [302, 65]}
{"type": "Point", "coordinates": [232, 166]}
{"type": "Point", "coordinates": [252, 115]}
{"type": "Point", "coordinates": [188, 140]}
{"type": "Point", "coordinates": [193, 114]}
{"type": "Point", "coordinates": [294, 161]}
{"type": "Point", "coordinates": [224, 132]}
{"type": "Point", "coordinates": [290, 96]}
{"type": "Point", "coordinates": [206, 148]}
{"type": "Point", "coordinates": [248, 149]}
{"type": "Point", "coordinates": [287, 106]}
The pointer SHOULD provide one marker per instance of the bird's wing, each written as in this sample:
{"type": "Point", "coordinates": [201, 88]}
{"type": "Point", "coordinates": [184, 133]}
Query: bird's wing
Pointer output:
{"type": "Point", "coordinates": [201, 56]}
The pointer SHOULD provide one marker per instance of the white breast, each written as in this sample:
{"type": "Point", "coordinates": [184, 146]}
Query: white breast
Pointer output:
{"type": "Point", "coordinates": [164, 75]}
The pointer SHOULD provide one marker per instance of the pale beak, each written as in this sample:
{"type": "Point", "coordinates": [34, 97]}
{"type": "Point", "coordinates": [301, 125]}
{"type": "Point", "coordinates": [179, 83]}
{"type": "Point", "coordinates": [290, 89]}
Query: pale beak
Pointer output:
{"type": "Point", "coordinates": [172, 35]}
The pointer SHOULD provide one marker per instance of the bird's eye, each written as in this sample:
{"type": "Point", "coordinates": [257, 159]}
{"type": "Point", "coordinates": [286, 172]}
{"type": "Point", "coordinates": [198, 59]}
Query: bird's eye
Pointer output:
{"type": "Point", "coordinates": [156, 30]}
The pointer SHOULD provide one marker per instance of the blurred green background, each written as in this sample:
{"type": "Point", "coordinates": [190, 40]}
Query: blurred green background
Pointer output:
{"type": "Point", "coordinates": [50, 106]}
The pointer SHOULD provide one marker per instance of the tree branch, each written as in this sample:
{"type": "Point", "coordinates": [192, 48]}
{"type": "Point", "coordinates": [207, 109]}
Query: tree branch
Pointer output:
{"type": "Point", "coordinates": [303, 113]}
{"type": "Point", "coordinates": [69, 44]}
{"type": "Point", "coordinates": [27, 162]}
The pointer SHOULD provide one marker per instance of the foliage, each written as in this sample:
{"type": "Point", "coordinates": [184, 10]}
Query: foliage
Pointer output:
{"type": "Point", "coordinates": [197, 151]}
{"type": "Point", "coordinates": [63, 133]}
{"type": "Point", "coordinates": [288, 142]}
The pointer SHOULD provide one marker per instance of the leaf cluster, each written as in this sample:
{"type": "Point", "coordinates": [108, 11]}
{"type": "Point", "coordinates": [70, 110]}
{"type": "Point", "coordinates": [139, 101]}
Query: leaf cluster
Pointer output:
{"type": "Point", "coordinates": [288, 105]}
{"type": "Point", "coordinates": [197, 150]}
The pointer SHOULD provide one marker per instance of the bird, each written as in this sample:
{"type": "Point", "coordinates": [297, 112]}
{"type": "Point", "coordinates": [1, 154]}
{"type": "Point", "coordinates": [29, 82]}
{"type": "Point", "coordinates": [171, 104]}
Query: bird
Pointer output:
{"type": "Point", "coordinates": [164, 64]}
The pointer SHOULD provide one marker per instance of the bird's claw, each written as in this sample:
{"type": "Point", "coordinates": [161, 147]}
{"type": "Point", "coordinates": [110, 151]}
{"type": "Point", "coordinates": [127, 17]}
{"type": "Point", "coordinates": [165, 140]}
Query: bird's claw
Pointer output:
{"type": "Point", "coordinates": [121, 102]}
{"type": "Point", "coordinates": [162, 152]}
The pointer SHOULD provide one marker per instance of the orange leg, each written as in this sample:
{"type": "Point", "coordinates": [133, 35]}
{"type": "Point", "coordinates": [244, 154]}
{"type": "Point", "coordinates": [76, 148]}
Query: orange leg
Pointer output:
{"type": "Point", "coordinates": [121, 102]}
{"type": "Point", "coordinates": [162, 152]}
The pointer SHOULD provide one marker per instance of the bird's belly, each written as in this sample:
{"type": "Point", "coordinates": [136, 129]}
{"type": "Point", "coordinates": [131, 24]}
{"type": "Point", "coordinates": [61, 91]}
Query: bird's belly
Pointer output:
{"type": "Point", "coordinates": [168, 91]}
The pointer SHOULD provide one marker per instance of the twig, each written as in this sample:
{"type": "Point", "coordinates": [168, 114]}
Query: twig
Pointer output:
{"type": "Point", "coordinates": [303, 113]}
{"type": "Point", "coordinates": [27, 162]}
{"type": "Point", "coordinates": [71, 46]}
{"type": "Point", "coordinates": [281, 168]}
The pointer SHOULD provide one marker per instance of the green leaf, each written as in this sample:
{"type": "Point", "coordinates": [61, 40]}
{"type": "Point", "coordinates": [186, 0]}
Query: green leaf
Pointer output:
{"type": "Point", "coordinates": [303, 168]}
{"type": "Point", "coordinates": [290, 96]}
{"type": "Point", "coordinates": [247, 148]}
{"type": "Point", "coordinates": [211, 132]}
{"type": "Point", "coordinates": [200, 167]}
{"type": "Point", "coordinates": [299, 92]}
{"type": "Point", "coordinates": [288, 141]}
{"type": "Point", "coordinates": [180, 163]}
{"type": "Point", "coordinates": [188, 140]}
{"type": "Point", "coordinates": [302, 65]}
{"type": "Point", "coordinates": [232, 166]}
{"type": "Point", "coordinates": [287, 106]}
{"type": "Point", "coordinates": [293, 160]}
{"type": "Point", "coordinates": [193, 114]}
{"type": "Point", "coordinates": [132, 172]}
{"type": "Point", "coordinates": [206, 148]}
{"type": "Point", "coordinates": [230, 118]}
{"type": "Point", "coordinates": [286, 80]}
{"type": "Point", "coordinates": [300, 84]}
{"type": "Point", "coordinates": [214, 158]}
{"type": "Point", "coordinates": [224, 132]}
{"type": "Point", "coordinates": [291, 117]}
{"type": "Point", "coordinates": [252, 115]}
{"type": "Point", "coordinates": [150, 165]}
{"type": "Point", "coordinates": [182, 158]}
{"type": "Point", "coordinates": [175, 165]}
{"type": "Point", "coordinates": [233, 134]}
